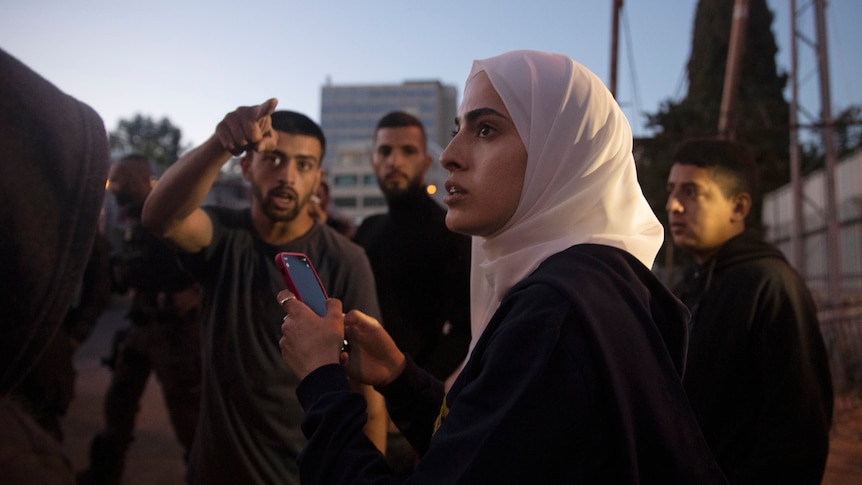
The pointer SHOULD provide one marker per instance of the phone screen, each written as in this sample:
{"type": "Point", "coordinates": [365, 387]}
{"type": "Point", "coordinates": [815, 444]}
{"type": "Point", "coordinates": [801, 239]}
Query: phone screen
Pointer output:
{"type": "Point", "coordinates": [301, 279]}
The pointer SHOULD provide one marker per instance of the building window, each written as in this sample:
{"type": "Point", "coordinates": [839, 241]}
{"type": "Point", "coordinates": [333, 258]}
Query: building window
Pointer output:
{"type": "Point", "coordinates": [369, 180]}
{"type": "Point", "coordinates": [345, 202]}
{"type": "Point", "coordinates": [345, 180]}
{"type": "Point", "coordinates": [375, 201]}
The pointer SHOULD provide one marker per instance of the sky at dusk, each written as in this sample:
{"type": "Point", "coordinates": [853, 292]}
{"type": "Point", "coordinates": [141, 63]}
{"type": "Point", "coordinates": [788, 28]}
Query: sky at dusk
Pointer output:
{"type": "Point", "coordinates": [193, 61]}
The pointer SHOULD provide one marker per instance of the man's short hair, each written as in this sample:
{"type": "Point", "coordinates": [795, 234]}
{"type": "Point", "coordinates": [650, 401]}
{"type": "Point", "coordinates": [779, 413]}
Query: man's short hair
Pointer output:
{"type": "Point", "coordinates": [400, 119]}
{"type": "Point", "coordinates": [295, 123]}
{"type": "Point", "coordinates": [735, 170]}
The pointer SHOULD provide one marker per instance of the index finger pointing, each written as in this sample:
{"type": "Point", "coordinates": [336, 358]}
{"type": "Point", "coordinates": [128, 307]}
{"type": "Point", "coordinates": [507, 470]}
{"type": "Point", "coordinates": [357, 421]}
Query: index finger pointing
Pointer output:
{"type": "Point", "coordinates": [267, 108]}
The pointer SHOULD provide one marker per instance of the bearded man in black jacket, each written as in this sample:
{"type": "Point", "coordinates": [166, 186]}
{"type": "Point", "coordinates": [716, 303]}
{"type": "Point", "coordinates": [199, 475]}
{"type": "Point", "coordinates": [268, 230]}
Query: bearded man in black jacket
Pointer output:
{"type": "Point", "coordinates": [757, 371]}
{"type": "Point", "coordinates": [421, 268]}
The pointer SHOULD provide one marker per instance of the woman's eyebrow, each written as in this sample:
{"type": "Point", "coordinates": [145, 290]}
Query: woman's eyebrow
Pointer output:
{"type": "Point", "coordinates": [477, 113]}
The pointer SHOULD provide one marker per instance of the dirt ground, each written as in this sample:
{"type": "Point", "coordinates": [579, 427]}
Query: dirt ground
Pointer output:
{"type": "Point", "coordinates": [844, 466]}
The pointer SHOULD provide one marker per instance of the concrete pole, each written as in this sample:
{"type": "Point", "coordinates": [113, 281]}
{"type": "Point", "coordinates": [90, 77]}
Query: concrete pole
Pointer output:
{"type": "Point", "coordinates": [615, 35]}
{"type": "Point", "coordinates": [733, 71]}
{"type": "Point", "coordinates": [797, 254]}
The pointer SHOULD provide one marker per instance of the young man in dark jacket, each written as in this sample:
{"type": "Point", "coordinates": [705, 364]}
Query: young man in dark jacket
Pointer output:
{"type": "Point", "coordinates": [757, 370]}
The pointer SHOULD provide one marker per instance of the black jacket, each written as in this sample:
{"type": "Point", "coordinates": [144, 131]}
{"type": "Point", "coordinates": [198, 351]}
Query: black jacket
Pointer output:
{"type": "Point", "coordinates": [757, 370]}
{"type": "Point", "coordinates": [422, 273]}
{"type": "Point", "coordinates": [576, 379]}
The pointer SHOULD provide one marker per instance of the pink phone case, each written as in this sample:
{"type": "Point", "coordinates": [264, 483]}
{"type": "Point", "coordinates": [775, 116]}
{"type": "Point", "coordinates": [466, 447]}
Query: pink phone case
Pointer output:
{"type": "Point", "coordinates": [301, 279]}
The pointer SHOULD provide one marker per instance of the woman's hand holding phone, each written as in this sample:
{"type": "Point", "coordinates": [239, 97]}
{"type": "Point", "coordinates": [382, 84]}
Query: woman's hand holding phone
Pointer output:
{"type": "Point", "coordinates": [309, 341]}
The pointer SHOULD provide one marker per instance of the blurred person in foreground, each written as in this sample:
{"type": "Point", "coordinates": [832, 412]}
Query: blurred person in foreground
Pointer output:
{"type": "Point", "coordinates": [577, 352]}
{"type": "Point", "coordinates": [249, 428]}
{"type": "Point", "coordinates": [757, 372]}
{"type": "Point", "coordinates": [47, 391]}
{"type": "Point", "coordinates": [53, 165]}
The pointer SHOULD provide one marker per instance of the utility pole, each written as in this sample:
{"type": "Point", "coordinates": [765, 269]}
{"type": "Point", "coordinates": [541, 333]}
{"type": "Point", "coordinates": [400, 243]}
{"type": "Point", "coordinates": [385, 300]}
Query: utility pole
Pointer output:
{"type": "Point", "coordinates": [617, 5]}
{"type": "Point", "coordinates": [833, 244]}
{"type": "Point", "coordinates": [798, 224]}
{"type": "Point", "coordinates": [733, 71]}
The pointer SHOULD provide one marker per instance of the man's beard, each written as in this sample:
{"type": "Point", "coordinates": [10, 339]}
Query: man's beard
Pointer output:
{"type": "Point", "coordinates": [394, 191]}
{"type": "Point", "coordinates": [278, 215]}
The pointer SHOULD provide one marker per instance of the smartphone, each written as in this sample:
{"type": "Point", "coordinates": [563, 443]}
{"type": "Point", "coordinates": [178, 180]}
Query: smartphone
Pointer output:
{"type": "Point", "coordinates": [301, 279]}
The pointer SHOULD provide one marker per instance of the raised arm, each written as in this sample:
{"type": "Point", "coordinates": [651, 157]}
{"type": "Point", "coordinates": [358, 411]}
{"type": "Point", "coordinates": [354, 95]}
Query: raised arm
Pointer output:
{"type": "Point", "coordinates": [173, 209]}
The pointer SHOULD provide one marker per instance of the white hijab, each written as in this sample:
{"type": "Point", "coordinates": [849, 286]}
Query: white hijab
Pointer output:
{"type": "Point", "coordinates": [580, 184]}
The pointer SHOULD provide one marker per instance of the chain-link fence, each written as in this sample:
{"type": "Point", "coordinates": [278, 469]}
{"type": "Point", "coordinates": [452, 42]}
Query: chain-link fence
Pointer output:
{"type": "Point", "coordinates": [841, 325]}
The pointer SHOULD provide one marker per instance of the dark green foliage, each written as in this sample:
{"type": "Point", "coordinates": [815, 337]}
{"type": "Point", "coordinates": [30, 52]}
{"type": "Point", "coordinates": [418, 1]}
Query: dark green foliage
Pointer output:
{"type": "Point", "coordinates": [847, 135]}
{"type": "Point", "coordinates": [848, 131]}
{"type": "Point", "coordinates": [761, 112]}
{"type": "Point", "coordinates": [158, 140]}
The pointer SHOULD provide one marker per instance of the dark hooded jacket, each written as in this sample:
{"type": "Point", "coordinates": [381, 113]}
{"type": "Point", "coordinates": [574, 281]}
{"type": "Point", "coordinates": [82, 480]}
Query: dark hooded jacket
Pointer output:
{"type": "Point", "coordinates": [53, 167]}
{"type": "Point", "coordinates": [757, 371]}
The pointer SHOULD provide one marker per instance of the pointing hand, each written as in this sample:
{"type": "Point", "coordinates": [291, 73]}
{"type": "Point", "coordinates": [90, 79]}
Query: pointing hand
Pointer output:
{"type": "Point", "coordinates": [248, 128]}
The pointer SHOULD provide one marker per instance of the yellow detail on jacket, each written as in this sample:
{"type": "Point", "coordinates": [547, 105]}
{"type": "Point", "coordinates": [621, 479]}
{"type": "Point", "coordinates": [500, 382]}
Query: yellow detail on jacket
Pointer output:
{"type": "Point", "coordinates": [444, 411]}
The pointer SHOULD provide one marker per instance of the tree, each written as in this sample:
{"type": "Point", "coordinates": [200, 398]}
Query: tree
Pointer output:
{"type": "Point", "coordinates": [847, 139]}
{"type": "Point", "coordinates": [762, 113]}
{"type": "Point", "coordinates": [158, 140]}
{"type": "Point", "coordinates": [848, 131]}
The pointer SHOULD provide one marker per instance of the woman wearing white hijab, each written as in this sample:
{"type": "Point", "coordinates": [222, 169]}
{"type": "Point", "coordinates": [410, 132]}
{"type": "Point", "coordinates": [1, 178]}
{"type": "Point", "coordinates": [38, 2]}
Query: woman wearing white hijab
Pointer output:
{"type": "Point", "coordinates": [577, 352]}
